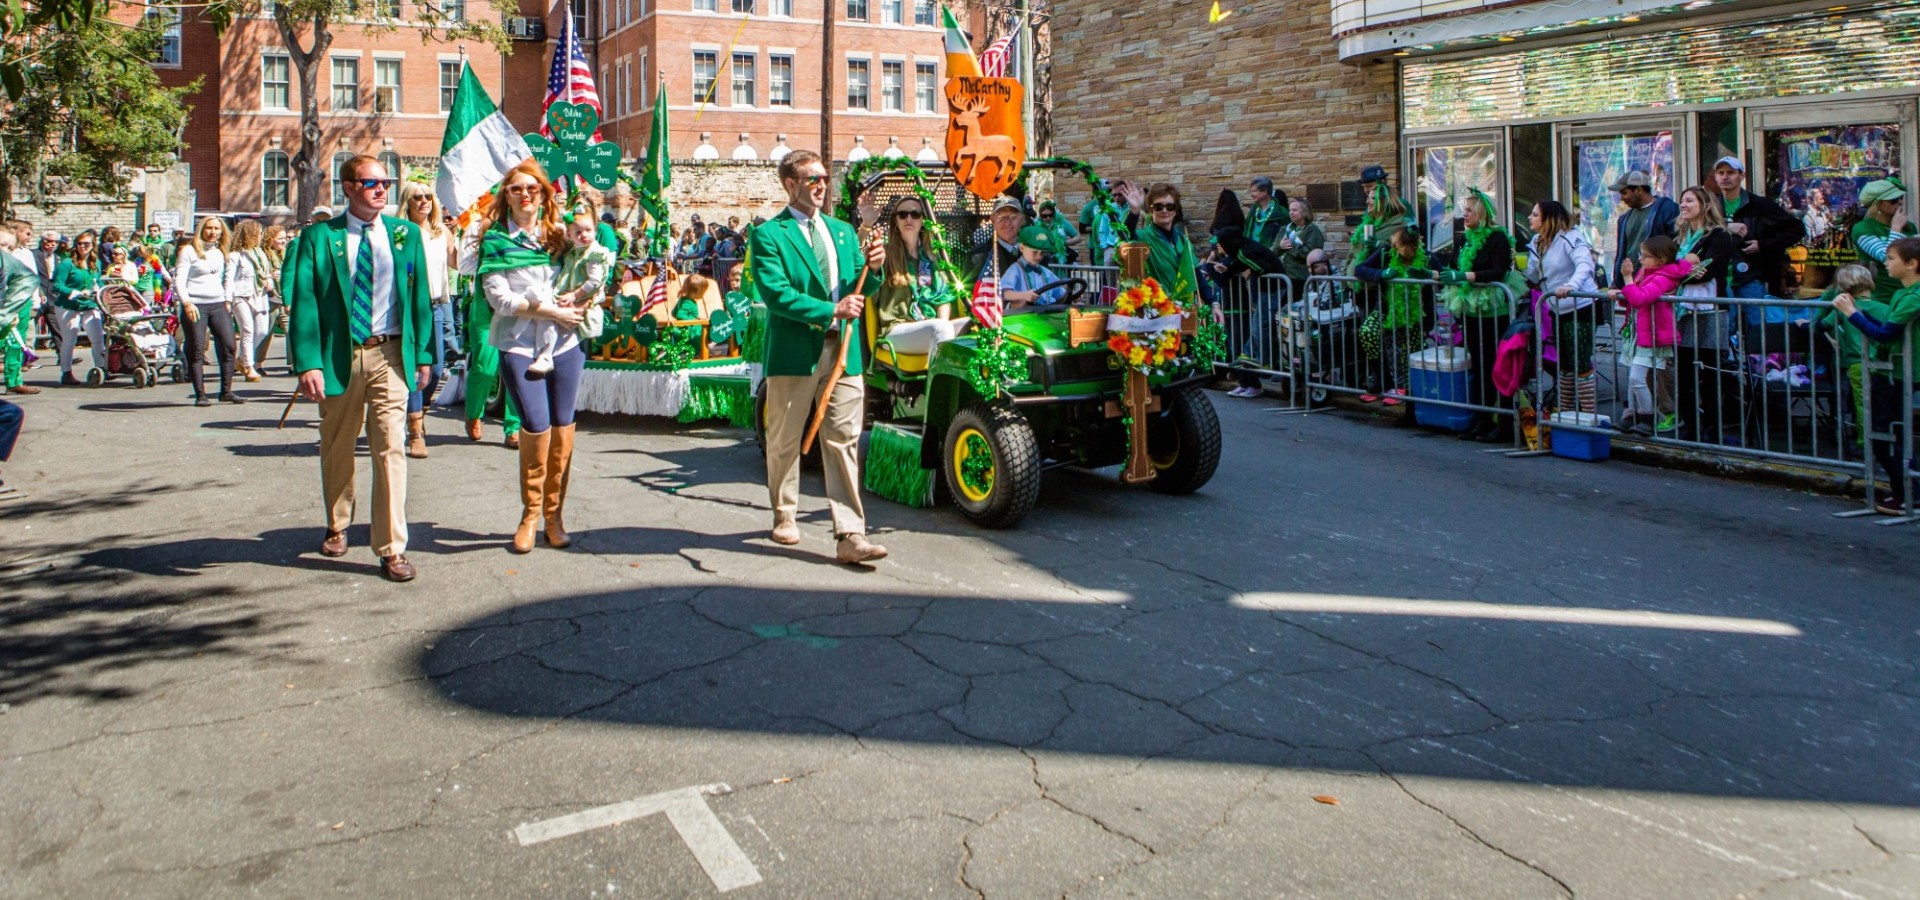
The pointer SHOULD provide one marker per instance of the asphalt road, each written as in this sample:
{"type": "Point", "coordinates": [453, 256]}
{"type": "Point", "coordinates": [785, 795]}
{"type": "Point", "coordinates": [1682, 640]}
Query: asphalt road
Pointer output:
{"type": "Point", "coordinates": [1364, 662]}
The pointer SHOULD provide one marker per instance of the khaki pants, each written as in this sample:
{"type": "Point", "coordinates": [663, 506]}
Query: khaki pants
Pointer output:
{"type": "Point", "coordinates": [789, 409]}
{"type": "Point", "coordinates": [376, 397]}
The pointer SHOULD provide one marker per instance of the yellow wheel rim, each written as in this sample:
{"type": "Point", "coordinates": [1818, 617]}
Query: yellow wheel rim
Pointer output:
{"type": "Point", "coordinates": [973, 465]}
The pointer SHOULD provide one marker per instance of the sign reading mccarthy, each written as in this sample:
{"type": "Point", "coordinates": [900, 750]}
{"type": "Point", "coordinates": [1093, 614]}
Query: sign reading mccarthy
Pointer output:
{"type": "Point", "coordinates": [986, 142]}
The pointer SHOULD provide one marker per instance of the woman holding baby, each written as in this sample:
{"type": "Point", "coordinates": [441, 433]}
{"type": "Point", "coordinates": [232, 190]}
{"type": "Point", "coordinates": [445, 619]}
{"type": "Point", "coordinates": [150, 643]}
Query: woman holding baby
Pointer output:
{"type": "Point", "coordinates": [519, 262]}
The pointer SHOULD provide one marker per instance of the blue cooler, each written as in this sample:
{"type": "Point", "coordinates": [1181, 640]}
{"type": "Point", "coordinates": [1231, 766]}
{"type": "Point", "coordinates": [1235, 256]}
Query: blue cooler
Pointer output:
{"type": "Point", "coordinates": [1442, 373]}
{"type": "Point", "coordinates": [1581, 445]}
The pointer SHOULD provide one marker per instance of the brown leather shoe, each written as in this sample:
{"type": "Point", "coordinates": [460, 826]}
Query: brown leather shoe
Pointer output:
{"type": "Point", "coordinates": [473, 430]}
{"type": "Point", "coordinates": [559, 466]}
{"type": "Point", "coordinates": [334, 545]}
{"type": "Point", "coordinates": [396, 568]}
{"type": "Point", "coordinates": [855, 549]}
{"type": "Point", "coordinates": [512, 441]}
{"type": "Point", "coordinates": [23, 389]}
{"type": "Point", "coordinates": [785, 531]}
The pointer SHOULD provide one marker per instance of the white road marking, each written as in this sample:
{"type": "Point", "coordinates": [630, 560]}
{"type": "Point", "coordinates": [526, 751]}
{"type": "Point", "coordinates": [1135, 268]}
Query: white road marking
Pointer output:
{"type": "Point", "coordinates": [1474, 609]}
{"type": "Point", "coordinates": [686, 809]}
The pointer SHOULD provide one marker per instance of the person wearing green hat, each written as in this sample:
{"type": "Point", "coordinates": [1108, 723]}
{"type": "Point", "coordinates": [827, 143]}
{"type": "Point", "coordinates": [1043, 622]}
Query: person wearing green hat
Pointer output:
{"type": "Point", "coordinates": [1019, 283]}
{"type": "Point", "coordinates": [1060, 230]}
{"type": "Point", "coordinates": [1472, 274]}
{"type": "Point", "coordinates": [1884, 220]}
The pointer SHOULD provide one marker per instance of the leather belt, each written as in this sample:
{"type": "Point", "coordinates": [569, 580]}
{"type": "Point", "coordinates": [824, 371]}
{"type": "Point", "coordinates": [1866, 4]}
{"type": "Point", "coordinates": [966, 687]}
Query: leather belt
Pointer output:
{"type": "Point", "coordinates": [377, 340]}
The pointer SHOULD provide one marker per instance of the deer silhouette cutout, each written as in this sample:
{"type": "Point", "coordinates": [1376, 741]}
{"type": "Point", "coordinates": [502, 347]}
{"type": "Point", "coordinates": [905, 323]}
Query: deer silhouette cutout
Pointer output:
{"type": "Point", "coordinates": [977, 148]}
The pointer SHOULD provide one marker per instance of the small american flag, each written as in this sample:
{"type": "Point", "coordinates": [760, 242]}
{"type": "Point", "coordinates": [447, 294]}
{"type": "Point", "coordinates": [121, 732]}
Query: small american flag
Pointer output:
{"type": "Point", "coordinates": [656, 295]}
{"type": "Point", "coordinates": [571, 79]}
{"type": "Point", "coordinates": [993, 60]}
{"type": "Point", "coordinates": [986, 304]}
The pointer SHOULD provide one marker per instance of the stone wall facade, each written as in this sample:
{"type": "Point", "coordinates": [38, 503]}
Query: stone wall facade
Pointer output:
{"type": "Point", "coordinates": [1208, 107]}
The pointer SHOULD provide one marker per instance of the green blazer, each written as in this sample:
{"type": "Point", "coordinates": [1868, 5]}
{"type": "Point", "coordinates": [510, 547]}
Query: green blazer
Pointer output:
{"type": "Point", "coordinates": [315, 284]}
{"type": "Point", "coordinates": [799, 305]}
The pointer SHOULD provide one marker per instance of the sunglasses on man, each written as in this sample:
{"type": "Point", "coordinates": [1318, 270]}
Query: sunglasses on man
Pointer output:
{"type": "Point", "coordinates": [368, 184]}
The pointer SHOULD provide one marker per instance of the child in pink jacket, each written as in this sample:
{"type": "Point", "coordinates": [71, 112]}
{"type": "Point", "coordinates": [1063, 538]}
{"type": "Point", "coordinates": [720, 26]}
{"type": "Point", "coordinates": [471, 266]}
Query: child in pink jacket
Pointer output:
{"type": "Point", "coordinates": [1654, 335]}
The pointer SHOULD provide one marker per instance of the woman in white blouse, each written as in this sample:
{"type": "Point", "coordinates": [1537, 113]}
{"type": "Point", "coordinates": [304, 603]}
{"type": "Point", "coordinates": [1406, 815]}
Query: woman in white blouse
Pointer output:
{"type": "Point", "coordinates": [249, 280]}
{"type": "Point", "coordinates": [200, 280]}
{"type": "Point", "coordinates": [419, 205]}
{"type": "Point", "coordinates": [517, 252]}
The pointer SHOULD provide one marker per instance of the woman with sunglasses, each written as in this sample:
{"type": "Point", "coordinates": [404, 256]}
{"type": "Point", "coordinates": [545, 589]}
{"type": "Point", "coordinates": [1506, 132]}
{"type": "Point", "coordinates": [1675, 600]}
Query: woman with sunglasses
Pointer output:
{"type": "Point", "coordinates": [523, 238]}
{"type": "Point", "coordinates": [76, 308]}
{"type": "Point", "coordinates": [1170, 258]}
{"type": "Point", "coordinates": [912, 310]}
{"type": "Point", "coordinates": [419, 206]}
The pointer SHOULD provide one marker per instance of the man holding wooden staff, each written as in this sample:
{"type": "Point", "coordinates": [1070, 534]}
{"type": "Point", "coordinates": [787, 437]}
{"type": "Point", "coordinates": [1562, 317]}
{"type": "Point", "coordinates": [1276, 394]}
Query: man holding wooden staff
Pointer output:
{"type": "Point", "coordinates": [810, 271]}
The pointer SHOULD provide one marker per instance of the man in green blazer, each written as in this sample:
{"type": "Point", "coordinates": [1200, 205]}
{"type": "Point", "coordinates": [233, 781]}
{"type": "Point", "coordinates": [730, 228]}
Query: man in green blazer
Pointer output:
{"type": "Point", "coordinates": [806, 269]}
{"type": "Point", "coordinates": [359, 327]}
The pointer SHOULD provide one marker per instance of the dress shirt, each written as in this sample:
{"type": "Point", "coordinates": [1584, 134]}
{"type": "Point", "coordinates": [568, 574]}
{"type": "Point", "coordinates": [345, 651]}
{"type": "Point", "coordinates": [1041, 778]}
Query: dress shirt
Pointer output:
{"type": "Point", "coordinates": [383, 283]}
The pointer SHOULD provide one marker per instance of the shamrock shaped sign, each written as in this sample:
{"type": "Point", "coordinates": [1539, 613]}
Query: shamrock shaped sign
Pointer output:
{"type": "Point", "coordinates": [570, 153]}
{"type": "Point", "coordinates": [719, 327]}
{"type": "Point", "coordinates": [738, 305]}
{"type": "Point", "coordinates": [646, 331]}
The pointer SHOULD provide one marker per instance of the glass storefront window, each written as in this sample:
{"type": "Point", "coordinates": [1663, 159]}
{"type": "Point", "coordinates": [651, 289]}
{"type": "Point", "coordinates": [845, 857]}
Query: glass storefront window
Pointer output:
{"type": "Point", "coordinates": [1446, 174]}
{"type": "Point", "coordinates": [1599, 161]}
{"type": "Point", "coordinates": [1817, 173]}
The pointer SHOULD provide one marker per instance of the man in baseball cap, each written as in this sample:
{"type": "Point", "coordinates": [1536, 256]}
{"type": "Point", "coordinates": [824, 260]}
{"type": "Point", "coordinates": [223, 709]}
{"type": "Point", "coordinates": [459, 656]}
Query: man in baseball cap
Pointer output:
{"type": "Point", "coordinates": [1646, 215]}
{"type": "Point", "coordinates": [1008, 218]}
{"type": "Point", "coordinates": [1764, 229]}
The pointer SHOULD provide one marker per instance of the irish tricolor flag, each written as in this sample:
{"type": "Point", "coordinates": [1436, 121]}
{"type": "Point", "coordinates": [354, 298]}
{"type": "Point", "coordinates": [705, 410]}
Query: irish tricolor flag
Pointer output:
{"type": "Point", "coordinates": [480, 146]}
{"type": "Point", "coordinates": [960, 58]}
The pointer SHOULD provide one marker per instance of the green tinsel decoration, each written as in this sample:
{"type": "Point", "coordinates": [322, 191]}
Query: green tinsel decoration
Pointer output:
{"type": "Point", "coordinates": [729, 398]}
{"type": "Point", "coordinates": [675, 348]}
{"type": "Point", "coordinates": [753, 344]}
{"type": "Point", "coordinates": [892, 468]}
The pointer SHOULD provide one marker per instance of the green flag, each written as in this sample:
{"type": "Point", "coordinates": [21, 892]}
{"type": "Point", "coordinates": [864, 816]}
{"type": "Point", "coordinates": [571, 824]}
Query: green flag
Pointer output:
{"type": "Point", "coordinates": [658, 175]}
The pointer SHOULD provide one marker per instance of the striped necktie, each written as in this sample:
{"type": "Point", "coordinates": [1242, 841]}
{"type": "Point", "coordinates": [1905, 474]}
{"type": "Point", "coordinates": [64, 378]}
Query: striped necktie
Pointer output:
{"type": "Point", "coordinates": [362, 308]}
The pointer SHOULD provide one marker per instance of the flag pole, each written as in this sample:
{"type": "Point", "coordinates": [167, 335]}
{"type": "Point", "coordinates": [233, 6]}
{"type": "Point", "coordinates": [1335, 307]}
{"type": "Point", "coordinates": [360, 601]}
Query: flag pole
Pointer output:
{"type": "Point", "coordinates": [826, 95]}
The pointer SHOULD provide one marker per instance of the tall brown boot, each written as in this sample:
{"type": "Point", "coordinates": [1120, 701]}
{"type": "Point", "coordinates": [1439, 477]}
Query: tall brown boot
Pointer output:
{"type": "Point", "coordinates": [417, 435]}
{"type": "Point", "coordinates": [559, 467]}
{"type": "Point", "coordinates": [533, 482]}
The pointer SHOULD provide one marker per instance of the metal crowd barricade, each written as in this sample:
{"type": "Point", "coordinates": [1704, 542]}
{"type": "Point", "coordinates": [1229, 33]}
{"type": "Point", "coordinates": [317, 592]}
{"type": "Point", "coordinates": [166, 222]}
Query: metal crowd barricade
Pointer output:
{"type": "Point", "coordinates": [1898, 431]}
{"type": "Point", "coordinates": [1345, 337]}
{"type": "Point", "coordinates": [1251, 313]}
{"type": "Point", "coordinates": [1749, 378]}
{"type": "Point", "coordinates": [1097, 277]}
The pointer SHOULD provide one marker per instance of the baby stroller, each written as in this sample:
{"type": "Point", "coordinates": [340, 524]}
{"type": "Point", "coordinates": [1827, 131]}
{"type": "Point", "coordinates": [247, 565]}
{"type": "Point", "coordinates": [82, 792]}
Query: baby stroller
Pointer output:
{"type": "Point", "coordinates": [139, 340]}
{"type": "Point", "coordinates": [1312, 333]}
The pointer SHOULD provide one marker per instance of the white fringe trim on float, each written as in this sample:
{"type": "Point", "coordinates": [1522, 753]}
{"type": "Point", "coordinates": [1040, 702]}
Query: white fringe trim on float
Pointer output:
{"type": "Point", "coordinates": [646, 392]}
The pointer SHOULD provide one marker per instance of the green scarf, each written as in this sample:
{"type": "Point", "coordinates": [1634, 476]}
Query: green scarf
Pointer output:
{"type": "Point", "coordinates": [1403, 300]}
{"type": "Point", "coordinates": [499, 252]}
{"type": "Point", "coordinates": [1172, 262]}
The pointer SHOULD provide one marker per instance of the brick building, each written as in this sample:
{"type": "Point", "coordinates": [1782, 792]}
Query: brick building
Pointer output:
{"type": "Point", "coordinates": [760, 74]}
{"type": "Point", "coordinates": [1208, 107]}
{"type": "Point", "coordinates": [381, 93]}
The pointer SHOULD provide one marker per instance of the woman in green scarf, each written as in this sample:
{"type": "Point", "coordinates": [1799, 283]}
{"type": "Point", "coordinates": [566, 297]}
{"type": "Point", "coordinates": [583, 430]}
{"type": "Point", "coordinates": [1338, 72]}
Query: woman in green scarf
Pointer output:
{"type": "Point", "coordinates": [1403, 313]}
{"type": "Point", "coordinates": [1472, 277]}
{"type": "Point", "coordinates": [1170, 258]}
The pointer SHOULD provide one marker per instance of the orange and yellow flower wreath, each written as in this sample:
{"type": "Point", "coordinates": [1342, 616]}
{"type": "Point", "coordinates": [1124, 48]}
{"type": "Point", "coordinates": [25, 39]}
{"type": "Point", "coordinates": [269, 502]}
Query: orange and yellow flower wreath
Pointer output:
{"type": "Point", "coordinates": [1149, 351]}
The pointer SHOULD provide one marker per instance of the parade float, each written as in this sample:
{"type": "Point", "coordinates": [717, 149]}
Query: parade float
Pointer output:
{"type": "Point", "coordinates": [1077, 383]}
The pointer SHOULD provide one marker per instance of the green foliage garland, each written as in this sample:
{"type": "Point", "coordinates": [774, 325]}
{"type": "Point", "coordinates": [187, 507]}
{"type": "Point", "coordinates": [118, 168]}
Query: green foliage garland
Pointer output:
{"type": "Point", "coordinates": [675, 348]}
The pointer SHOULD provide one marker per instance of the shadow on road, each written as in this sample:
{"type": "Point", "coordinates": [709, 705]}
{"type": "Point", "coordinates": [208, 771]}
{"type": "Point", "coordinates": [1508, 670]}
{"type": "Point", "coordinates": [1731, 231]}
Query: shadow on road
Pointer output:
{"type": "Point", "coordinates": [1689, 704]}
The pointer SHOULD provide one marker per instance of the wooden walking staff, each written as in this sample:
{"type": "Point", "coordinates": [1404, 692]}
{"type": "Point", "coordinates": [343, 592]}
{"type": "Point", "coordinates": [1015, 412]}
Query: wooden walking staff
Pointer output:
{"type": "Point", "coordinates": [1138, 397]}
{"type": "Point", "coordinates": [847, 336]}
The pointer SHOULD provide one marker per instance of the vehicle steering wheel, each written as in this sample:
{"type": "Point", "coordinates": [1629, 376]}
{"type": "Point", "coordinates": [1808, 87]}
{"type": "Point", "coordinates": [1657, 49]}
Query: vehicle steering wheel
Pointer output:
{"type": "Point", "coordinates": [1076, 289]}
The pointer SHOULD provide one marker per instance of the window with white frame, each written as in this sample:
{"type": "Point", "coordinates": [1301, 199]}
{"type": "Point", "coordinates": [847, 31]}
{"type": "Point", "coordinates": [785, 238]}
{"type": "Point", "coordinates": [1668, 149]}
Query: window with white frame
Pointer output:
{"type": "Point", "coordinates": [339, 183]}
{"type": "Point", "coordinates": [168, 19]}
{"type": "Point", "coordinates": [706, 68]}
{"type": "Point", "coordinates": [926, 90]}
{"type": "Point", "coordinates": [704, 6]}
{"type": "Point", "coordinates": [276, 182]}
{"type": "Point", "coordinates": [454, 10]}
{"type": "Point", "coordinates": [893, 85]}
{"type": "Point", "coordinates": [923, 12]}
{"type": "Point", "coordinates": [743, 6]}
{"type": "Point", "coordinates": [856, 10]}
{"type": "Point", "coordinates": [390, 161]}
{"type": "Point", "coordinates": [891, 11]}
{"type": "Point", "coordinates": [780, 8]}
{"type": "Point", "coordinates": [643, 80]}
{"type": "Point", "coordinates": [858, 72]}
{"type": "Point", "coordinates": [386, 85]}
{"type": "Point", "coordinates": [276, 81]}
{"type": "Point", "coordinates": [449, 83]}
{"type": "Point", "coordinates": [346, 83]}
{"type": "Point", "coordinates": [779, 80]}
{"type": "Point", "coordinates": [744, 76]}
{"type": "Point", "coordinates": [387, 9]}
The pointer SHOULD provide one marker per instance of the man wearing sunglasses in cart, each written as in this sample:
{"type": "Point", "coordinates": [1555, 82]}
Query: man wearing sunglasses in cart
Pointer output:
{"type": "Point", "coordinates": [359, 336]}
